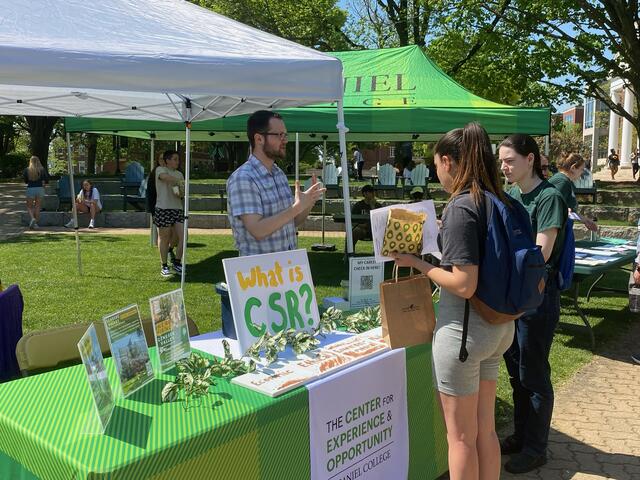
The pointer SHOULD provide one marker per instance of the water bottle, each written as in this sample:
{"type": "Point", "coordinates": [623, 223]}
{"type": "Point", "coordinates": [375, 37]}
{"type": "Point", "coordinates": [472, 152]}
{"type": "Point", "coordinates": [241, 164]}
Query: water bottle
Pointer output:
{"type": "Point", "coordinates": [594, 236]}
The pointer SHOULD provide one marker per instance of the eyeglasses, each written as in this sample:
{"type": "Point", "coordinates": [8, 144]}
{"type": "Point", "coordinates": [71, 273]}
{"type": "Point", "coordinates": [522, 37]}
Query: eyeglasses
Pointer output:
{"type": "Point", "coordinates": [280, 135]}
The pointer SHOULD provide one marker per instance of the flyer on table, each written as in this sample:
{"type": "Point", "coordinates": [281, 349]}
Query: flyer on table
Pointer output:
{"type": "Point", "coordinates": [93, 361]}
{"type": "Point", "coordinates": [170, 328]}
{"type": "Point", "coordinates": [365, 277]}
{"type": "Point", "coordinates": [270, 292]}
{"type": "Point", "coordinates": [129, 348]}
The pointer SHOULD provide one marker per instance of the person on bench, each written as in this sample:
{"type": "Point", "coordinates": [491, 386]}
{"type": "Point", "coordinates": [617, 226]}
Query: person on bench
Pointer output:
{"type": "Point", "coordinates": [87, 201]}
{"type": "Point", "coordinates": [362, 230]}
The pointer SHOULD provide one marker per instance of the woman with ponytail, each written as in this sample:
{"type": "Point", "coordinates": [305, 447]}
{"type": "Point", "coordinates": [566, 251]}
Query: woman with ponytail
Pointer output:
{"type": "Point", "coordinates": [527, 359]}
{"type": "Point", "coordinates": [466, 168]}
{"type": "Point", "coordinates": [35, 176]}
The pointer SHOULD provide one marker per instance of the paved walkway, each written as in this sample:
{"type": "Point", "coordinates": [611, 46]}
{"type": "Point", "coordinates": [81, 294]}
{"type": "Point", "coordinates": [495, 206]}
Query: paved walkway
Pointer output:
{"type": "Point", "coordinates": [596, 427]}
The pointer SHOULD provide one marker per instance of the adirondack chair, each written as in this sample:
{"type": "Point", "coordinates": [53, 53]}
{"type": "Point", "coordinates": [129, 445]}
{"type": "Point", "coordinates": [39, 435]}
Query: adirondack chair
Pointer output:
{"type": "Point", "coordinates": [419, 178]}
{"type": "Point", "coordinates": [387, 179]}
{"type": "Point", "coordinates": [331, 179]}
{"type": "Point", "coordinates": [586, 185]}
{"type": "Point", "coordinates": [130, 183]}
{"type": "Point", "coordinates": [63, 191]}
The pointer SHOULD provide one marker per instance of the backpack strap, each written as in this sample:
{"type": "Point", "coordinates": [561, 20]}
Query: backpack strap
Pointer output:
{"type": "Point", "coordinates": [463, 355]}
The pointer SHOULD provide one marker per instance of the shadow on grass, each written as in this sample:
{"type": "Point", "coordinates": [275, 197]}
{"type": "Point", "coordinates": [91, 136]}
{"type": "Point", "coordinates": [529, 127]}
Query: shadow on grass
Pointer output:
{"type": "Point", "coordinates": [37, 239]}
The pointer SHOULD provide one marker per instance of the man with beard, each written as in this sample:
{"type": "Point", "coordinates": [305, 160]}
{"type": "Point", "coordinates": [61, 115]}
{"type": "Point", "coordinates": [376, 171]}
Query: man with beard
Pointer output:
{"type": "Point", "coordinates": [263, 212]}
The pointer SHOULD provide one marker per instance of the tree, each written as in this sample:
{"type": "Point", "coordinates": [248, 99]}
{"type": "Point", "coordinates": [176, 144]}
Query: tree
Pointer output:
{"type": "Point", "coordinates": [314, 23]}
{"type": "Point", "coordinates": [591, 41]}
{"type": "Point", "coordinates": [8, 134]}
{"type": "Point", "coordinates": [41, 132]}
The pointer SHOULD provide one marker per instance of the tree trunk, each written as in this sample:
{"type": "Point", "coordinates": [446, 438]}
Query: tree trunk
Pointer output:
{"type": "Point", "coordinates": [40, 130]}
{"type": "Point", "coordinates": [92, 150]}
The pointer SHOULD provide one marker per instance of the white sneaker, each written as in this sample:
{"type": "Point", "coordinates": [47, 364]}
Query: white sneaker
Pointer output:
{"type": "Point", "coordinates": [69, 224]}
{"type": "Point", "coordinates": [91, 225]}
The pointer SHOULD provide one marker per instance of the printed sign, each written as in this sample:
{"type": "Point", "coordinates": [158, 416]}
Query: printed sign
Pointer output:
{"type": "Point", "coordinates": [270, 292]}
{"type": "Point", "coordinates": [365, 277]}
{"type": "Point", "coordinates": [379, 218]}
{"type": "Point", "coordinates": [129, 348]}
{"type": "Point", "coordinates": [358, 421]}
{"type": "Point", "coordinates": [170, 328]}
{"type": "Point", "coordinates": [96, 375]}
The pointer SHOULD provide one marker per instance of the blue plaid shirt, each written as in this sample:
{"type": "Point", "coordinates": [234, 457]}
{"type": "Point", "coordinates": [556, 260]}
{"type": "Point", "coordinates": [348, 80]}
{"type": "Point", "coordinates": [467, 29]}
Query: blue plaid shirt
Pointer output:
{"type": "Point", "coordinates": [252, 189]}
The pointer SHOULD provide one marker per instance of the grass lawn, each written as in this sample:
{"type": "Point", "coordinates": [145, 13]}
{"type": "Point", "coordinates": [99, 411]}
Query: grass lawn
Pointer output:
{"type": "Point", "coordinates": [124, 269]}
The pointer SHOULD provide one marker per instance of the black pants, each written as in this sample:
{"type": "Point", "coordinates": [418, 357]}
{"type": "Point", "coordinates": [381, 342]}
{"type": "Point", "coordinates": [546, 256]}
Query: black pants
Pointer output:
{"type": "Point", "coordinates": [527, 362]}
{"type": "Point", "coordinates": [360, 165]}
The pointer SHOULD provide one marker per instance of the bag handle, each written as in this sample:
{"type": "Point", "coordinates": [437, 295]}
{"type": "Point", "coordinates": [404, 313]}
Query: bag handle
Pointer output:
{"type": "Point", "coordinates": [396, 269]}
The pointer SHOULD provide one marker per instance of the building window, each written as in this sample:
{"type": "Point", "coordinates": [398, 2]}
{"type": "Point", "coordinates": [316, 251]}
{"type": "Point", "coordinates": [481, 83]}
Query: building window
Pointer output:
{"type": "Point", "coordinates": [392, 152]}
{"type": "Point", "coordinates": [589, 112]}
{"type": "Point", "coordinates": [568, 118]}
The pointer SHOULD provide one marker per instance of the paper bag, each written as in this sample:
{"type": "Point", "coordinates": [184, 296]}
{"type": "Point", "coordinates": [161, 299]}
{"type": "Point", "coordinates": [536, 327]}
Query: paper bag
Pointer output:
{"type": "Point", "coordinates": [404, 232]}
{"type": "Point", "coordinates": [406, 310]}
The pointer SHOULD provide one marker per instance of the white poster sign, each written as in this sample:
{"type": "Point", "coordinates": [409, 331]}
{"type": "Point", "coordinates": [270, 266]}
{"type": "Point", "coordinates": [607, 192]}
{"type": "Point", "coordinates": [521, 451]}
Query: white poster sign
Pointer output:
{"type": "Point", "coordinates": [365, 276]}
{"type": "Point", "coordinates": [270, 292]}
{"type": "Point", "coordinates": [379, 218]}
{"type": "Point", "coordinates": [358, 421]}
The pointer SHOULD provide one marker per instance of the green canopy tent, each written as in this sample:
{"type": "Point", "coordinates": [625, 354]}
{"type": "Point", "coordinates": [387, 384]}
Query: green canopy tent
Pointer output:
{"type": "Point", "coordinates": [395, 94]}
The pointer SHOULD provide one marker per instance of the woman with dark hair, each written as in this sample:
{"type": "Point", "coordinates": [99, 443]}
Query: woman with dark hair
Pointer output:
{"type": "Point", "coordinates": [527, 359]}
{"type": "Point", "coordinates": [466, 168]}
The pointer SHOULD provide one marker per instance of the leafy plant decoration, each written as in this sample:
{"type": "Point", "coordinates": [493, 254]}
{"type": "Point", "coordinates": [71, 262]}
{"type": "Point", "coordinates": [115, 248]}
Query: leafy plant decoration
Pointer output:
{"type": "Point", "coordinates": [272, 345]}
{"type": "Point", "coordinates": [364, 320]}
{"type": "Point", "coordinates": [329, 321]}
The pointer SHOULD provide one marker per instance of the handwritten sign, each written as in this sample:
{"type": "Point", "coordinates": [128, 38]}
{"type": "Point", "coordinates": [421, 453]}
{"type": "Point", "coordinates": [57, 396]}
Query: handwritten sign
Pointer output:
{"type": "Point", "coordinates": [270, 292]}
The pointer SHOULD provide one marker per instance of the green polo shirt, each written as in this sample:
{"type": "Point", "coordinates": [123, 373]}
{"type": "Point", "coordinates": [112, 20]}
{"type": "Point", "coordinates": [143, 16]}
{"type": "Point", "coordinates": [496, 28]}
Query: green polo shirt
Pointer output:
{"type": "Point", "coordinates": [547, 210]}
{"type": "Point", "coordinates": [566, 188]}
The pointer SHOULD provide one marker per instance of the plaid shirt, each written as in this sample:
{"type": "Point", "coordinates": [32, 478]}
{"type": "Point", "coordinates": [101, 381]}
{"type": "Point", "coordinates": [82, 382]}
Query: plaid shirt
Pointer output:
{"type": "Point", "coordinates": [252, 189]}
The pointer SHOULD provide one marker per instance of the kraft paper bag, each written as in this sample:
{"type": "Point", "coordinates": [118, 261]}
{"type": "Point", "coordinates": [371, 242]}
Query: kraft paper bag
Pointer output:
{"type": "Point", "coordinates": [406, 309]}
{"type": "Point", "coordinates": [403, 233]}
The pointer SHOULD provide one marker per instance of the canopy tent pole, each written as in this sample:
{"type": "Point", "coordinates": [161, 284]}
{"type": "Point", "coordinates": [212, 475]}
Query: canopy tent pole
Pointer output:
{"type": "Point", "coordinates": [342, 132]}
{"type": "Point", "coordinates": [322, 246]}
{"type": "Point", "coordinates": [297, 156]}
{"type": "Point", "coordinates": [153, 237]}
{"type": "Point", "coordinates": [546, 145]}
{"type": "Point", "coordinates": [74, 211]}
{"type": "Point", "coordinates": [187, 163]}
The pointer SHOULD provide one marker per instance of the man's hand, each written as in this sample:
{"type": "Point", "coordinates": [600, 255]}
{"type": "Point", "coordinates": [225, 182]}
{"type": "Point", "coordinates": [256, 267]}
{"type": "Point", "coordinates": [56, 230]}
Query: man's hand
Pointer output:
{"type": "Point", "coordinates": [304, 200]}
{"type": "Point", "coordinates": [590, 224]}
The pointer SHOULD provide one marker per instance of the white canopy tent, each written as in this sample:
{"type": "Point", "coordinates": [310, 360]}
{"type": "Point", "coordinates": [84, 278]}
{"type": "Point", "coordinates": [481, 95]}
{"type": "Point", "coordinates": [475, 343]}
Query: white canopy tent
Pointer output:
{"type": "Point", "coordinates": [166, 60]}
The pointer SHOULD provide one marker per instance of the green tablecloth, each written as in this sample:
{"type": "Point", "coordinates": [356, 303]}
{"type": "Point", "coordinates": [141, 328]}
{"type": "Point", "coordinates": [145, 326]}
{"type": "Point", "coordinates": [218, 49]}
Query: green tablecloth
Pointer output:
{"type": "Point", "coordinates": [235, 434]}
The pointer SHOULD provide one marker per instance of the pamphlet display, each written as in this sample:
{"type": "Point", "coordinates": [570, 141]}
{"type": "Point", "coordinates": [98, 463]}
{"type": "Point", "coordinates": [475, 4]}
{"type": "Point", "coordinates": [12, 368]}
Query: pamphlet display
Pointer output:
{"type": "Point", "coordinates": [270, 292]}
{"type": "Point", "coordinates": [279, 379]}
{"type": "Point", "coordinates": [170, 328]}
{"type": "Point", "coordinates": [96, 375]}
{"type": "Point", "coordinates": [129, 349]}
{"type": "Point", "coordinates": [603, 254]}
{"type": "Point", "coordinates": [365, 276]}
{"type": "Point", "coordinates": [380, 217]}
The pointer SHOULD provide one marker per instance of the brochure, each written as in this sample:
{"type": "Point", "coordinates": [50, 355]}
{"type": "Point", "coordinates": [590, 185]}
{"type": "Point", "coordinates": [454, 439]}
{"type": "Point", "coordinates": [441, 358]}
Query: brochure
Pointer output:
{"type": "Point", "coordinates": [170, 328]}
{"type": "Point", "coordinates": [129, 348]}
{"type": "Point", "coordinates": [286, 376]}
{"type": "Point", "coordinates": [96, 375]}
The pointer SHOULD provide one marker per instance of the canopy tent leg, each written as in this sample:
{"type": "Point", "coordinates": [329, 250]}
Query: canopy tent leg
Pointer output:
{"type": "Point", "coordinates": [546, 145]}
{"type": "Point", "coordinates": [153, 232]}
{"type": "Point", "coordinates": [187, 164]}
{"type": "Point", "coordinates": [323, 246]}
{"type": "Point", "coordinates": [74, 211]}
{"type": "Point", "coordinates": [297, 156]}
{"type": "Point", "coordinates": [342, 132]}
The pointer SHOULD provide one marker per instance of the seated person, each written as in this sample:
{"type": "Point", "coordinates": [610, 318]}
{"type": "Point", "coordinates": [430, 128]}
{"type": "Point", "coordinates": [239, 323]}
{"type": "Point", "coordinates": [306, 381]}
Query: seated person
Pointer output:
{"type": "Point", "coordinates": [362, 229]}
{"type": "Point", "coordinates": [406, 173]}
{"type": "Point", "coordinates": [87, 201]}
{"type": "Point", "coordinates": [416, 195]}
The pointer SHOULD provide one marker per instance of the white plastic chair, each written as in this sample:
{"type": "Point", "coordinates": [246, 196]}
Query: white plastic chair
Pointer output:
{"type": "Point", "coordinates": [330, 175]}
{"type": "Point", "coordinates": [387, 175]}
{"type": "Point", "coordinates": [419, 175]}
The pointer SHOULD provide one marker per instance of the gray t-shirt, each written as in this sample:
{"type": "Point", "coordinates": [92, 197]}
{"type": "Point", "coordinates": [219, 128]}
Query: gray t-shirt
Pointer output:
{"type": "Point", "coordinates": [459, 238]}
{"type": "Point", "coordinates": [166, 199]}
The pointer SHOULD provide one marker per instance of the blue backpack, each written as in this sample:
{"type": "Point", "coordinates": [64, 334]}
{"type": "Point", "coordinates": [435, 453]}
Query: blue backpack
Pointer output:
{"type": "Point", "coordinates": [567, 258]}
{"type": "Point", "coordinates": [512, 273]}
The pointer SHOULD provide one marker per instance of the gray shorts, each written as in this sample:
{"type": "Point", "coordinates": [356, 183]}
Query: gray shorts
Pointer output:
{"type": "Point", "coordinates": [485, 343]}
{"type": "Point", "coordinates": [35, 192]}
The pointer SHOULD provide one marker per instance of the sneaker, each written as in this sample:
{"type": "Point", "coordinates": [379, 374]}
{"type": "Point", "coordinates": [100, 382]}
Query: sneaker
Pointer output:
{"type": "Point", "coordinates": [636, 357]}
{"type": "Point", "coordinates": [510, 445]}
{"type": "Point", "coordinates": [523, 463]}
{"type": "Point", "coordinates": [165, 272]}
{"type": "Point", "coordinates": [35, 226]}
{"type": "Point", "coordinates": [69, 224]}
{"type": "Point", "coordinates": [172, 256]}
{"type": "Point", "coordinates": [177, 266]}
{"type": "Point", "coordinates": [91, 224]}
